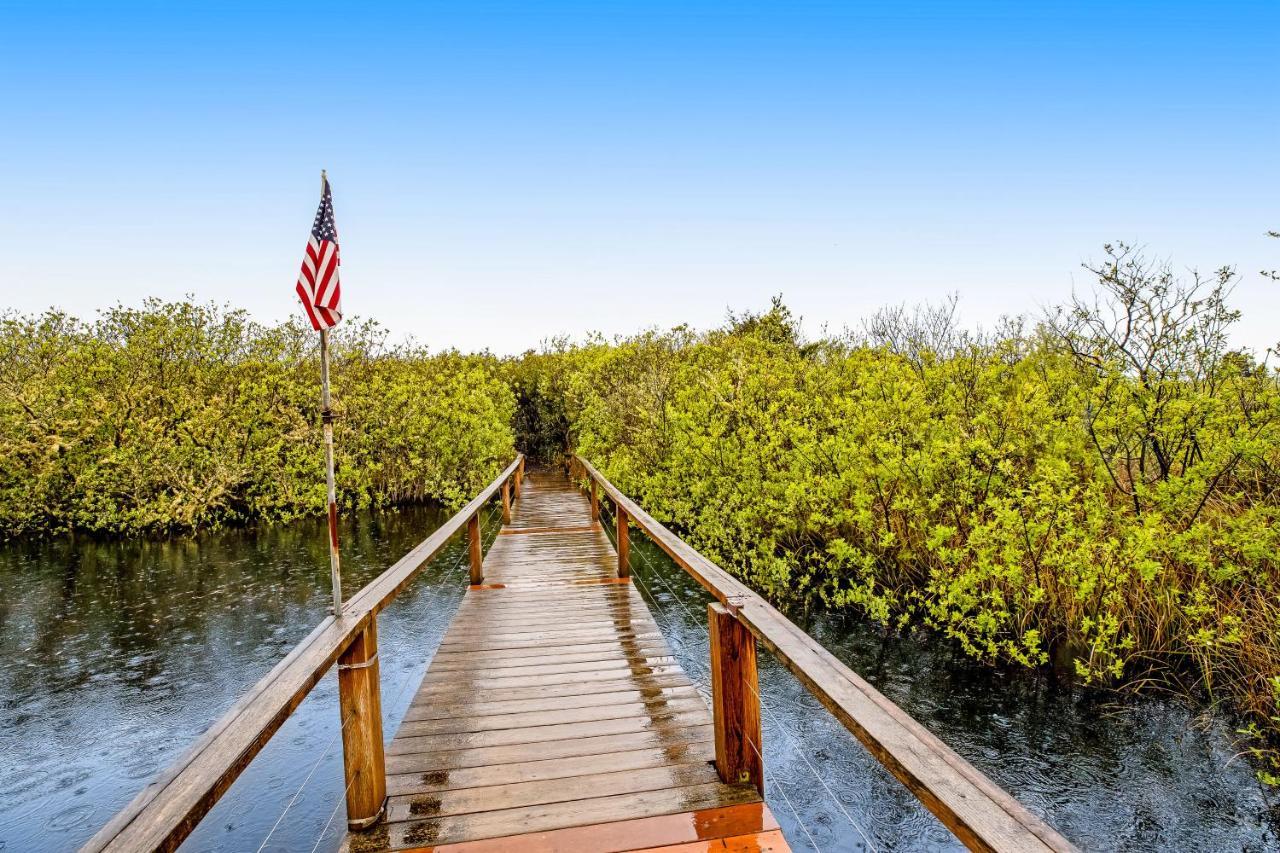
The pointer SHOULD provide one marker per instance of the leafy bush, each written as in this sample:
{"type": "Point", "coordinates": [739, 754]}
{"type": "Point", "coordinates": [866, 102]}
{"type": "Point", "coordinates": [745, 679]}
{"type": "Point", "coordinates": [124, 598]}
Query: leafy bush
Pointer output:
{"type": "Point", "coordinates": [176, 416]}
{"type": "Point", "coordinates": [1098, 493]}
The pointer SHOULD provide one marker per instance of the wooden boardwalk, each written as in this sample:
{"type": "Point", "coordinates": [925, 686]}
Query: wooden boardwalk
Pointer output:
{"type": "Point", "coordinates": [554, 717]}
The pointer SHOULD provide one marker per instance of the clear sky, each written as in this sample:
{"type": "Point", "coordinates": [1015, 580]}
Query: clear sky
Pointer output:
{"type": "Point", "coordinates": [505, 172]}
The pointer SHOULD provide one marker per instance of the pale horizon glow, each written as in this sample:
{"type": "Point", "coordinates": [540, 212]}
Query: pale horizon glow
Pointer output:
{"type": "Point", "coordinates": [504, 174]}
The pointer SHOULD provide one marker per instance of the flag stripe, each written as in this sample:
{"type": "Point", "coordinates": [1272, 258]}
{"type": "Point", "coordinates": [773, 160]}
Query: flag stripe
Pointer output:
{"type": "Point", "coordinates": [319, 286]}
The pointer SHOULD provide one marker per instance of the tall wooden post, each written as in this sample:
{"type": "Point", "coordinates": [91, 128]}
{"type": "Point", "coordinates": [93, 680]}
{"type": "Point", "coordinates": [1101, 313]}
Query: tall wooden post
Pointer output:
{"type": "Point", "coordinates": [624, 544]}
{"type": "Point", "coordinates": [519, 477]}
{"type": "Point", "coordinates": [595, 501]}
{"type": "Point", "coordinates": [360, 700]}
{"type": "Point", "coordinates": [477, 554]}
{"type": "Point", "coordinates": [506, 501]}
{"type": "Point", "coordinates": [735, 701]}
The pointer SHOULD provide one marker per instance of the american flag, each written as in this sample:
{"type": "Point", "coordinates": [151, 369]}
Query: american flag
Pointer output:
{"type": "Point", "coordinates": [318, 286]}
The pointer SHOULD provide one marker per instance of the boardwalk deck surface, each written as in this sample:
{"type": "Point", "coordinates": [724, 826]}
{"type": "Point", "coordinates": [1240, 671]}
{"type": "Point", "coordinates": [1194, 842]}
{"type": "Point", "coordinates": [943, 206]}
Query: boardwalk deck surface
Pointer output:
{"type": "Point", "coordinates": [554, 717]}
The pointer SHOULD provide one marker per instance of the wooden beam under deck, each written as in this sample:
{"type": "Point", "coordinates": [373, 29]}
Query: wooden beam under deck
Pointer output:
{"type": "Point", "coordinates": [554, 717]}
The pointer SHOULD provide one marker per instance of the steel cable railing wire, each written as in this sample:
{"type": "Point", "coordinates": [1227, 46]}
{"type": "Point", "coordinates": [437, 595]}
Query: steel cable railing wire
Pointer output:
{"type": "Point", "coordinates": [791, 736]}
{"type": "Point", "coordinates": [801, 752]}
{"type": "Point", "coordinates": [329, 822]}
{"type": "Point", "coordinates": [782, 789]}
{"type": "Point", "coordinates": [296, 794]}
{"type": "Point", "coordinates": [703, 685]}
{"type": "Point", "coordinates": [432, 599]}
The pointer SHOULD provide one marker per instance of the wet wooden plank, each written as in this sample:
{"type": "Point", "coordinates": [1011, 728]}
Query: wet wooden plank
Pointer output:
{"type": "Point", "coordinates": [491, 644]}
{"type": "Point", "coordinates": [573, 688]}
{"type": "Point", "coordinates": [426, 709]}
{"type": "Point", "coordinates": [543, 792]}
{"type": "Point", "coordinates": [504, 823]}
{"type": "Point", "coordinates": [482, 756]}
{"type": "Point", "coordinates": [755, 842]}
{"type": "Point", "coordinates": [537, 671]}
{"type": "Point", "coordinates": [490, 688]}
{"type": "Point", "coordinates": [535, 657]}
{"type": "Point", "coordinates": [410, 738]}
{"type": "Point", "coordinates": [552, 702]}
{"type": "Point", "coordinates": [571, 633]}
{"type": "Point", "coordinates": [549, 768]}
{"type": "Point", "coordinates": [630, 835]}
{"type": "Point", "coordinates": [591, 714]}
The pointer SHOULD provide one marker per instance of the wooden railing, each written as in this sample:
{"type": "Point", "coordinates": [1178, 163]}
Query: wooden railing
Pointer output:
{"type": "Point", "coordinates": [980, 813]}
{"type": "Point", "coordinates": [168, 809]}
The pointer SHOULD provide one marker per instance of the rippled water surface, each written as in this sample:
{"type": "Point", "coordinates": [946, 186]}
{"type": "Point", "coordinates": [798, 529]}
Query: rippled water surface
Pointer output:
{"type": "Point", "coordinates": [115, 656]}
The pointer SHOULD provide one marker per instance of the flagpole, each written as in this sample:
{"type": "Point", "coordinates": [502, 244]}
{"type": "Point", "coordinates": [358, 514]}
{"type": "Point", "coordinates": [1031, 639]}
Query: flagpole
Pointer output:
{"type": "Point", "coordinates": [326, 417]}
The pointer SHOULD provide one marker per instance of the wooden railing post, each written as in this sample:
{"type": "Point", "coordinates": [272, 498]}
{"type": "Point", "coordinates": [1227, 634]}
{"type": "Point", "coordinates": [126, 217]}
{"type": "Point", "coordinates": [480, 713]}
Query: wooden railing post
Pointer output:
{"type": "Point", "coordinates": [477, 553]}
{"type": "Point", "coordinates": [624, 544]}
{"type": "Point", "coordinates": [519, 477]}
{"type": "Point", "coordinates": [360, 701]}
{"type": "Point", "coordinates": [735, 700]}
{"type": "Point", "coordinates": [595, 501]}
{"type": "Point", "coordinates": [506, 502]}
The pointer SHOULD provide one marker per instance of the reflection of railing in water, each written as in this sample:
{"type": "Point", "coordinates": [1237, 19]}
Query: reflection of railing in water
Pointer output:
{"type": "Point", "coordinates": [980, 813]}
{"type": "Point", "coordinates": [168, 809]}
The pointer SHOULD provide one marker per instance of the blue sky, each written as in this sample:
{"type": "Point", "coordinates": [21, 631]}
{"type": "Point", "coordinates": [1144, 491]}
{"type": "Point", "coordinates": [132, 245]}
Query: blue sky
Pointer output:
{"type": "Point", "coordinates": [506, 172]}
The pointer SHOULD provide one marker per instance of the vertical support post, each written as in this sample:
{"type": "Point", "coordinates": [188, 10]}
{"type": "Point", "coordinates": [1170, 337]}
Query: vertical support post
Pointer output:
{"type": "Point", "coordinates": [360, 700]}
{"type": "Point", "coordinates": [477, 555]}
{"type": "Point", "coordinates": [519, 478]}
{"type": "Point", "coordinates": [735, 701]}
{"type": "Point", "coordinates": [624, 544]}
{"type": "Point", "coordinates": [326, 417]}
{"type": "Point", "coordinates": [595, 501]}
{"type": "Point", "coordinates": [506, 501]}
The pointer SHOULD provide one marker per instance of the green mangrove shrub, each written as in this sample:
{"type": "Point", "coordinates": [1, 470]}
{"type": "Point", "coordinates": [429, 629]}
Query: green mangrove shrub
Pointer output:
{"type": "Point", "coordinates": [175, 416]}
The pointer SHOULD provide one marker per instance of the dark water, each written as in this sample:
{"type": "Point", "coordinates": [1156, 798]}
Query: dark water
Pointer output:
{"type": "Point", "coordinates": [113, 657]}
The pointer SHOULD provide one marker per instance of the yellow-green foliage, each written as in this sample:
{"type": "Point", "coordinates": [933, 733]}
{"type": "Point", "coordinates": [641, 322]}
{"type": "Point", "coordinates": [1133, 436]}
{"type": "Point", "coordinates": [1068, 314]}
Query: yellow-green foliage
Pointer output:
{"type": "Point", "coordinates": [176, 416]}
{"type": "Point", "coordinates": [1004, 492]}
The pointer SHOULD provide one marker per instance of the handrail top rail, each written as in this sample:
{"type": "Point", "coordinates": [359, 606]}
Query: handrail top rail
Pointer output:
{"type": "Point", "coordinates": [168, 808]}
{"type": "Point", "coordinates": [981, 814]}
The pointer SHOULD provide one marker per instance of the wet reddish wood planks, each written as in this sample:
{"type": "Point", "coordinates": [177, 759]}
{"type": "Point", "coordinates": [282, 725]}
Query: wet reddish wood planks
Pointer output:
{"type": "Point", "coordinates": [554, 717]}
